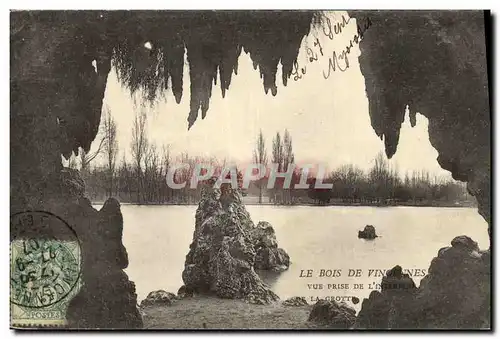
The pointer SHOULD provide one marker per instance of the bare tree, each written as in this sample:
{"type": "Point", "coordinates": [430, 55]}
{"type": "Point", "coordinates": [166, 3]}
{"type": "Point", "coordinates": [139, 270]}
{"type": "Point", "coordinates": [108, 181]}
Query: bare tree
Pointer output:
{"type": "Point", "coordinates": [139, 147]}
{"type": "Point", "coordinates": [124, 179]}
{"type": "Point", "coordinates": [86, 158]}
{"type": "Point", "coordinates": [260, 157]}
{"type": "Point", "coordinates": [151, 174]}
{"type": "Point", "coordinates": [110, 147]}
{"type": "Point", "coordinates": [166, 165]}
{"type": "Point", "coordinates": [380, 177]}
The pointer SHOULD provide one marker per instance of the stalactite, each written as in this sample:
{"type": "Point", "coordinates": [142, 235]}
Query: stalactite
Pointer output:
{"type": "Point", "coordinates": [441, 75]}
{"type": "Point", "coordinates": [147, 48]}
{"type": "Point", "coordinates": [213, 41]}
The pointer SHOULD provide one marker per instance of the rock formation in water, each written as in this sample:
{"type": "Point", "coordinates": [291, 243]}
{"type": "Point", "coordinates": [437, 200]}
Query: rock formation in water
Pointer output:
{"type": "Point", "coordinates": [455, 294]}
{"type": "Point", "coordinates": [435, 63]}
{"type": "Point", "coordinates": [222, 256]}
{"type": "Point", "coordinates": [333, 314]}
{"type": "Point", "coordinates": [368, 233]}
{"type": "Point", "coordinates": [268, 255]}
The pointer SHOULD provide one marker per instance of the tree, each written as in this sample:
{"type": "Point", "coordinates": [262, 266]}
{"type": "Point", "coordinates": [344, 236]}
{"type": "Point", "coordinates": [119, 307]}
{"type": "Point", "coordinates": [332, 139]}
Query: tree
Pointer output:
{"type": "Point", "coordinates": [288, 158]}
{"type": "Point", "coordinates": [86, 158]}
{"type": "Point", "coordinates": [166, 161]}
{"type": "Point", "coordinates": [347, 182]}
{"type": "Point", "coordinates": [260, 157]}
{"type": "Point", "coordinates": [151, 174]}
{"type": "Point", "coordinates": [277, 158]}
{"type": "Point", "coordinates": [124, 180]}
{"type": "Point", "coordinates": [110, 147]}
{"type": "Point", "coordinates": [380, 177]}
{"type": "Point", "coordinates": [139, 147]}
{"type": "Point", "coordinates": [321, 196]}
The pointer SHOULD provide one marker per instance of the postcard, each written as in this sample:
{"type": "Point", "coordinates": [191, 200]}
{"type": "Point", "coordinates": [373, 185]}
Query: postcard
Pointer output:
{"type": "Point", "coordinates": [321, 170]}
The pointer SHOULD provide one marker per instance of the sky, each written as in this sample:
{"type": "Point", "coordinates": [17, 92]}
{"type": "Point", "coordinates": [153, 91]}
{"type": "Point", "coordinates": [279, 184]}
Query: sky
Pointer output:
{"type": "Point", "coordinates": [328, 119]}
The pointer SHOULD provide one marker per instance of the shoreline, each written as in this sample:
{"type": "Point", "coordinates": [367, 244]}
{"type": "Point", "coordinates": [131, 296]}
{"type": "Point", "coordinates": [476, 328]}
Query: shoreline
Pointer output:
{"type": "Point", "coordinates": [305, 205]}
{"type": "Point", "coordinates": [209, 312]}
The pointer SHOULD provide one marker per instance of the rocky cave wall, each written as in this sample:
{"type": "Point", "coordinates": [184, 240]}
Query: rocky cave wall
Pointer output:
{"type": "Point", "coordinates": [434, 62]}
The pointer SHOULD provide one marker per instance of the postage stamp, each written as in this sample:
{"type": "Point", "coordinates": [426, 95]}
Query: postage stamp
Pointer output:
{"type": "Point", "coordinates": [44, 269]}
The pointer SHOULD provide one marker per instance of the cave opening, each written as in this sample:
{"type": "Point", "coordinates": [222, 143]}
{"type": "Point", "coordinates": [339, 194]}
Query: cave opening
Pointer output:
{"type": "Point", "coordinates": [70, 78]}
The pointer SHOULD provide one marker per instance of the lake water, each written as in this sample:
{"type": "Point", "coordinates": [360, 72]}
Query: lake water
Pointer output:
{"type": "Point", "coordinates": [157, 239]}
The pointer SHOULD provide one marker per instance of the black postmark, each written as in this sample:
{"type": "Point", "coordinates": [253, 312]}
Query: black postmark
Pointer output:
{"type": "Point", "coordinates": [45, 259]}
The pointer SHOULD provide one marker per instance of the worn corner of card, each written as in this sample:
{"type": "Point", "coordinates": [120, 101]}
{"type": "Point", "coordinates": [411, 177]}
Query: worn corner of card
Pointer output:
{"type": "Point", "coordinates": [45, 266]}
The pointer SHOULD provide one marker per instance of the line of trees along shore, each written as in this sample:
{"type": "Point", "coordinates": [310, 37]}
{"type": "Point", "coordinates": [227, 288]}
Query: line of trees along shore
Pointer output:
{"type": "Point", "coordinates": [143, 179]}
